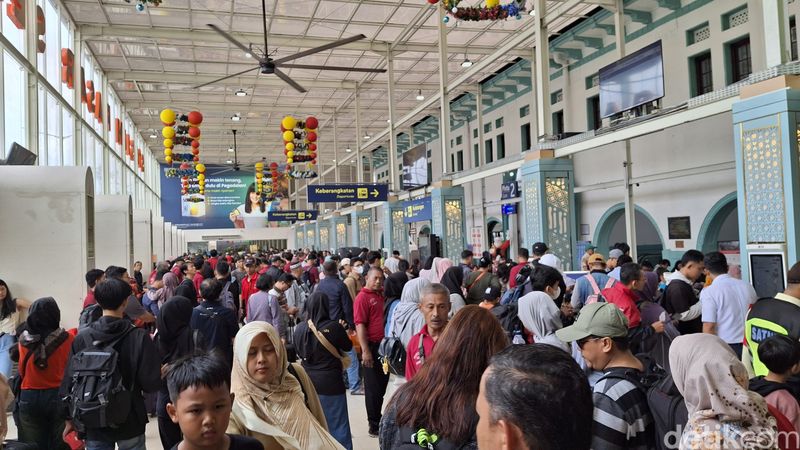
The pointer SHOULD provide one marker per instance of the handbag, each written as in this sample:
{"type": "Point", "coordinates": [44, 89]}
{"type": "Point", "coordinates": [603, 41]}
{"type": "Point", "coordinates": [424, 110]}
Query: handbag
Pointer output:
{"type": "Point", "coordinates": [345, 359]}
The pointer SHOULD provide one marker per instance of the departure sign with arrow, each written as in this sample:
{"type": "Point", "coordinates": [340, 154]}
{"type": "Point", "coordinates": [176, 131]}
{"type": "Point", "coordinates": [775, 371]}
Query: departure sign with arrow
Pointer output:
{"type": "Point", "coordinates": [329, 193]}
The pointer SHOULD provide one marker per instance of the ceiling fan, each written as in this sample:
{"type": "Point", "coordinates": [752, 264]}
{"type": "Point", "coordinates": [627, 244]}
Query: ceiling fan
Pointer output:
{"type": "Point", "coordinates": [269, 66]}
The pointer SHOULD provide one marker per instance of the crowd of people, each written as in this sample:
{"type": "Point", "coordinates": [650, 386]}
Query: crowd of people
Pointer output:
{"type": "Point", "coordinates": [259, 351]}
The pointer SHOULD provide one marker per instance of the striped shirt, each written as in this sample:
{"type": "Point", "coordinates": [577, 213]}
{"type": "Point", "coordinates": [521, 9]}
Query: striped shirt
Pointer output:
{"type": "Point", "coordinates": [622, 419]}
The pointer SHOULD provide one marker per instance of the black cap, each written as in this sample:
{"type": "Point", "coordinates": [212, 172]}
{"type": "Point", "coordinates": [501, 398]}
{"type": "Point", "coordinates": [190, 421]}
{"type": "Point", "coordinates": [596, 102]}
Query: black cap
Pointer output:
{"type": "Point", "coordinates": [276, 259]}
{"type": "Point", "coordinates": [539, 248]}
{"type": "Point", "coordinates": [249, 262]}
{"type": "Point", "coordinates": [485, 261]}
{"type": "Point", "coordinates": [492, 293]}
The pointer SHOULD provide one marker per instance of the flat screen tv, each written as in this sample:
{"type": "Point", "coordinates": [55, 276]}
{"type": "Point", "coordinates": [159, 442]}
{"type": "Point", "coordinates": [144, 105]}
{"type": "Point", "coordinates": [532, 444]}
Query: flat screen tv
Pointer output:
{"type": "Point", "coordinates": [632, 81]}
{"type": "Point", "coordinates": [415, 167]}
{"type": "Point", "coordinates": [19, 156]}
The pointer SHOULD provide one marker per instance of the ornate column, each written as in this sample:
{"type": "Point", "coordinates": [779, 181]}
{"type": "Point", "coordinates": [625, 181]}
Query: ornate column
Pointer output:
{"type": "Point", "coordinates": [395, 228]}
{"type": "Point", "coordinates": [448, 219]}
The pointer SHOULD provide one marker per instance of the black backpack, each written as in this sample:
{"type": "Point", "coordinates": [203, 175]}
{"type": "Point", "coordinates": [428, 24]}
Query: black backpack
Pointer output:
{"type": "Point", "coordinates": [89, 315]}
{"type": "Point", "coordinates": [97, 396]}
{"type": "Point", "coordinates": [509, 319]}
{"type": "Point", "coordinates": [663, 399]}
{"type": "Point", "coordinates": [392, 355]}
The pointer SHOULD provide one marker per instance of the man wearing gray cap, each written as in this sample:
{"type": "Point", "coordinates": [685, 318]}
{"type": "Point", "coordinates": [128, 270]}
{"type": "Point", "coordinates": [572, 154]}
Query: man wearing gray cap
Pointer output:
{"type": "Point", "coordinates": [622, 418]}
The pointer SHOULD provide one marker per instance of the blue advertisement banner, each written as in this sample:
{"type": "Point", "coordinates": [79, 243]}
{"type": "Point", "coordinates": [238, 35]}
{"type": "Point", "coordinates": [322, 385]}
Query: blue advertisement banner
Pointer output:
{"type": "Point", "coordinates": [291, 216]}
{"type": "Point", "coordinates": [230, 201]}
{"type": "Point", "coordinates": [417, 210]}
{"type": "Point", "coordinates": [365, 192]}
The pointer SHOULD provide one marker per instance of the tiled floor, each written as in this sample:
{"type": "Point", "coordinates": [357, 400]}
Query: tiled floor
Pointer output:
{"type": "Point", "coordinates": [355, 406]}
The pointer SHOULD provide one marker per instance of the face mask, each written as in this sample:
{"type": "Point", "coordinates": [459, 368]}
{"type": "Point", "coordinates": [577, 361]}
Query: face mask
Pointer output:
{"type": "Point", "coordinates": [556, 294]}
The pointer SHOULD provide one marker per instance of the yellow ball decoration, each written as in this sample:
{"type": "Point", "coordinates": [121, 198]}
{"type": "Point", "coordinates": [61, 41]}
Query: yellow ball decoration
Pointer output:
{"type": "Point", "coordinates": [167, 116]}
{"type": "Point", "coordinates": [289, 161]}
{"type": "Point", "coordinates": [259, 166]}
{"type": "Point", "coordinates": [259, 175]}
{"type": "Point", "coordinates": [168, 159]}
{"type": "Point", "coordinates": [168, 132]}
{"type": "Point", "coordinates": [290, 155]}
{"type": "Point", "coordinates": [168, 143]}
{"type": "Point", "coordinates": [201, 178]}
{"type": "Point", "coordinates": [200, 168]}
{"type": "Point", "coordinates": [288, 136]}
{"type": "Point", "coordinates": [492, 3]}
{"type": "Point", "coordinates": [289, 146]}
{"type": "Point", "coordinates": [289, 123]}
{"type": "Point", "coordinates": [167, 152]}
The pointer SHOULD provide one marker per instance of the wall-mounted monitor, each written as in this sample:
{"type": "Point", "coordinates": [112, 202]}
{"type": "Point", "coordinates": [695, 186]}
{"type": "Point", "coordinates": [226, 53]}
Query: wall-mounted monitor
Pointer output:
{"type": "Point", "coordinates": [415, 168]}
{"type": "Point", "coordinates": [767, 267]}
{"type": "Point", "coordinates": [632, 81]}
{"type": "Point", "coordinates": [19, 156]}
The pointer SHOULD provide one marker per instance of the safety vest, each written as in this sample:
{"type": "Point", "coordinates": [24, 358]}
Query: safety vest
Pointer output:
{"type": "Point", "coordinates": [767, 317]}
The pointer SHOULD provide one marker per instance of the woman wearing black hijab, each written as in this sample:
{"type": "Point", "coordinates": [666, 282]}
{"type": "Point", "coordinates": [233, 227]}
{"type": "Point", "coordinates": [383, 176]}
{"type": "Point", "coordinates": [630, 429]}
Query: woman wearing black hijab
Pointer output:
{"type": "Point", "coordinates": [43, 356]}
{"type": "Point", "coordinates": [174, 340]}
{"type": "Point", "coordinates": [323, 367]}
{"type": "Point", "coordinates": [453, 279]}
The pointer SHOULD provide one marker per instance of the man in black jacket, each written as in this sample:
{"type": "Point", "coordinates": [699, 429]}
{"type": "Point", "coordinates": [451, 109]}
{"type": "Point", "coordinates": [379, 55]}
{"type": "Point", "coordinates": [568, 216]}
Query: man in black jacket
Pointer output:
{"type": "Point", "coordinates": [680, 300]}
{"type": "Point", "coordinates": [339, 300]}
{"type": "Point", "coordinates": [138, 363]}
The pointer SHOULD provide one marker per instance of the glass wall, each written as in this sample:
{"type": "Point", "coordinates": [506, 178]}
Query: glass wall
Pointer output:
{"type": "Point", "coordinates": [62, 126]}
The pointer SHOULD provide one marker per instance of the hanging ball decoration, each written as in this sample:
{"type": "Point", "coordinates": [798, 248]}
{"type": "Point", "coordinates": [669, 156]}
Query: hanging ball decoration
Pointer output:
{"type": "Point", "coordinates": [168, 143]}
{"type": "Point", "coordinates": [288, 136]}
{"type": "Point", "coordinates": [195, 118]}
{"type": "Point", "coordinates": [312, 123]}
{"type": "Point", "coordinates": [289, 146]}
{"type": "Point", "coordinates": [168, 132]}
{"type": "Point", "coordinates": [196, 158]}
{"type": "Point", "coordinates": [167, 152]}
{"type": "Point", "coordinates": [194, 132]}
{"type": "Point", "coordinates": [259, 166]}
{"type": "Point", "coordinates": [259, 175]}
{"type": "Point", "coordinates": [273, 166]}
{"type": "Point", "coordinates": [289, 161]}
{"type": "Point", "coordinates": [290, 154]}
{"type": "Point", "coordinates": [454, 10]}
{"type": "Point", "coordinates": [446, 19]}
{"type": "Point", "coordinates": [433, 2]}
{"type": "Point", "coordinates": [195, 144]}
{"type": "Point", "coordinates": [168, 159]}
{"type": "Point", "coordinates": [200, 168]}
{"type": "Point", "coordinates": [312, 147]}
{"type": "Point", "coordinates": [167, 116]}
{"type": "Point", "coordinates": [195, 151]}
{"type": "Point", "coordinates": [289, 122]}
{"type": "Point", "coordinates": [311, 136]}
{"type": "Point", "coordinates": [201, 178]}
{"type": "Point", "coordinates": [492, 3]}
{"type": "Point", "coordinates": [184, 166]}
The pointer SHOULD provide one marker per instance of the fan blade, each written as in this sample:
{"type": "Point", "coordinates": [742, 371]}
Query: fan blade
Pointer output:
{"type": "Point", "coordinates": [233, 40]}
{"type": "Point", "coordinates": [321, 48]}
{"type": "Point", "coordinates": [225, 78]}
{"type": "Point", "coordinates": [340, 68]}
{"type": "Point", "coordinates": [290, 81]}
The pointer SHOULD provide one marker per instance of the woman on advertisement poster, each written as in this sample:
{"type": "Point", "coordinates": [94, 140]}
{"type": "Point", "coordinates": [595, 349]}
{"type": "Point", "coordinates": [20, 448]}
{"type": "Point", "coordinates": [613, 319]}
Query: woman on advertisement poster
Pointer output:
{"type": "Point", "coordinates": [252, 213]}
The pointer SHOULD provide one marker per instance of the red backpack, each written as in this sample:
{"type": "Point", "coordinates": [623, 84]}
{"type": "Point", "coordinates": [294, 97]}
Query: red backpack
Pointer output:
{"type": "Point", "coordinates": [785, 430]}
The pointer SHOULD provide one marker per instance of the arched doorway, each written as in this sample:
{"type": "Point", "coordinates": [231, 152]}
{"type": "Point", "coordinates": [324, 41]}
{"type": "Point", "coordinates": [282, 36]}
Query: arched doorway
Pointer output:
{"type": "Point", "coordinates": [611, 229]}
{"type": "Point", "coordinates": [720, 229]}
{"type": "Point", "coordinates": [492, 225]}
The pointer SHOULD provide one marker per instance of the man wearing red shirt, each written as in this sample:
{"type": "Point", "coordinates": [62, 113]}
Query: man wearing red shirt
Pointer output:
{"type": "Point", "coordinates": [522, 260]}
{"type": "Point", "coordinates": [249, 281]}
{"type": "Point", "coordinates": [624, 296]}
{"type": "Point", "coordinates": [93, 277]}
{"type": "Point", "coordinates": [368, 316]}
{"type": "Point", "coordinates": [213, 259]}
{"type": "Point", "coordinates": [198, 276]}
{"type": "Point", "coordinates": [435, 307]}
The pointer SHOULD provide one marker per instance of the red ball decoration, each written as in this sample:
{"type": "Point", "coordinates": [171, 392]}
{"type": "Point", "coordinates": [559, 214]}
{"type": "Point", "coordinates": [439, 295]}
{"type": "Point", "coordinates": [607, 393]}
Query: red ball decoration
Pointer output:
{"type": "Point", "coordinates": [314, 162]}
{"type": "Point", "coordinates": [433, 2]}
{"type": "Point", "coordinates": [312, 123]}
{"type": "Point", "coordinates": [196, 158]}
{"type": "Point", "coordinates": [184, 166]}
{"type": "Point", "coordinates": [312, 147]}
{"type": "Point", "coordinates": [195, 144]}
{"type": "Point", "coordinates": [311, 136]}
{"type": "Point", "coordinates": [282, 129]}
{"type": "Point", "coordinates": [195, 151]}
{"type": "Point", "coordinates": [195, 118]}
{"type": "Point", "coordinates": [194, 132]}
{"type": "Point", "coordinates": [273, 166]}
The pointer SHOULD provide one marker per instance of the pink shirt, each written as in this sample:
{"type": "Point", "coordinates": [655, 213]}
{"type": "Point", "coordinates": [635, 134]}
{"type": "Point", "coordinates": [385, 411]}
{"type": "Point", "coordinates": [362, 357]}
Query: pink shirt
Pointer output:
{"type": "Point", "coordinates": [785, 402]}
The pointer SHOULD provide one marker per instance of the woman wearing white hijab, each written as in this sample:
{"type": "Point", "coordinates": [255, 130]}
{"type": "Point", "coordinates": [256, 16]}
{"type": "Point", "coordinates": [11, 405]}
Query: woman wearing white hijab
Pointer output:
{"type": "Point", "coordinates": [537, 310]}
{"type": "Point", "coordinates": [270, 404]}
{"type": "Point", "coordinates": [407, 320]}
{"type": "Point", "coordinates": [723, 414]}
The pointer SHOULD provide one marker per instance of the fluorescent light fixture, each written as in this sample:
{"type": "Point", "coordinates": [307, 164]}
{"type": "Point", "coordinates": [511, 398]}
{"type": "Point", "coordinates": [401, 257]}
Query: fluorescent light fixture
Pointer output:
{"type": "Point", "coordinates": [533, 11]}
{"type": "Point", "coordinates": [248, 55]}
{"type": "Point", "coordinates": [334, 161]}
{"type": "Point", "coordinates": [230, 149]}
{"type": "Point", "coordinates": [466, 63]}
{"type": "Point", "coordinates": [236, 117]}
{"type": "Point", "coordinates": [241, 93]}
{"type": "Point", "coordinates": [153, 136]}
{"type": "Point", "coordinates": [420, 97]}
{"type": "Point", "coordinates": [367, 137]}
{"type": "Point", "coordinates": [348, 149]}
{"type": "Point", "coordinates": [229, 161]}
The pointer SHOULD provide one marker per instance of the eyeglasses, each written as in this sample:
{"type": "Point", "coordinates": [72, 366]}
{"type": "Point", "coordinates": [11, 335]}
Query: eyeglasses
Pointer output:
{"type": "Point", "coordinates": [583, 341]}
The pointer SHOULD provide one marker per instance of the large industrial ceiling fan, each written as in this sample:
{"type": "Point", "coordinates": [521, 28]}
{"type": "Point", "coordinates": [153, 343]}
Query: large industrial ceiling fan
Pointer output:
{"type": "Point", "coordinates": [269, 66]}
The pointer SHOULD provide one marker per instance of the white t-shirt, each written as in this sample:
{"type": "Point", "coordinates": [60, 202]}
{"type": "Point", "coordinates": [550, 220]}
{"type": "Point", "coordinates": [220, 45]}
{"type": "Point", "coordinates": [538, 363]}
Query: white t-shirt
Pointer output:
{"type": "Point", "coordinates": [725, 303]}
